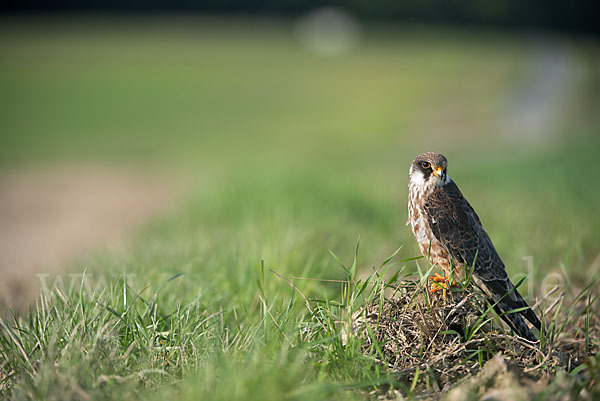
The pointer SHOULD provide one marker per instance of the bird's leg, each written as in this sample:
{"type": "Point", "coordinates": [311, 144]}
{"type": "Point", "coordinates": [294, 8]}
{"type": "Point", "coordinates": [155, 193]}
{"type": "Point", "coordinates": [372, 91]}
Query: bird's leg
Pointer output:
{"type": "Point", "coordinates": [440, 283]}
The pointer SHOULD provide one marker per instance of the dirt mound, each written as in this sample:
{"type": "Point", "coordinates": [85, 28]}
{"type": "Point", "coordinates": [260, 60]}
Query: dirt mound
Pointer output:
{"type": "Point", "coordinates": [434, 343]}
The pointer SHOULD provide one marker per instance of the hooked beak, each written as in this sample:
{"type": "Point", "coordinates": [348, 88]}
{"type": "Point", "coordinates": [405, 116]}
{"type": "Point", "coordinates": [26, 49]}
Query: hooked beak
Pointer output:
{"type": "Point", "coordinates": [438, 172]}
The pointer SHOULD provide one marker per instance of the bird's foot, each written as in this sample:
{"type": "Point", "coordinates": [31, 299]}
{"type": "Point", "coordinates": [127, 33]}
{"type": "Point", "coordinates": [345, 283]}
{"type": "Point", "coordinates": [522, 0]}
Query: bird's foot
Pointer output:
{"type": "Point", "coordinates": [441, 283]}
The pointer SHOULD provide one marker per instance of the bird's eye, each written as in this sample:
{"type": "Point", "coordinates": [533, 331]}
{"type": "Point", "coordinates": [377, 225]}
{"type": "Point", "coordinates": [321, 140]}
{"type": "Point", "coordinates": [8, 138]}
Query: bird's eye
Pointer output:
{"type": "Point", "coordinates": [426, 165]}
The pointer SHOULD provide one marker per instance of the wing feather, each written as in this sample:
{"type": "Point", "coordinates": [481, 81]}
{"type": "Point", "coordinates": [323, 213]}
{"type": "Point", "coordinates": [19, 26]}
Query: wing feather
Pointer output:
{"type": "Point", "coordinates": [455, 224]}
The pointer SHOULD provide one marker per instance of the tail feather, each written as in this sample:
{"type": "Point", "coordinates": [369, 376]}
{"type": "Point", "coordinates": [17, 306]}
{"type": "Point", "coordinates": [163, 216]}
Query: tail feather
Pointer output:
{"type": "Point", "coordinates": [529, 314]}
{"type": "Point", "coordinates": [515, 321]}
{"type": "Point", "coordinates": [506, 298]}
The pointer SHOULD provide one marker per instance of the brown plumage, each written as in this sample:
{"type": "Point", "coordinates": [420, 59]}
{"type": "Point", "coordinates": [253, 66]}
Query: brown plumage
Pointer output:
{"type": "Point", "coordinates": [451, 235]}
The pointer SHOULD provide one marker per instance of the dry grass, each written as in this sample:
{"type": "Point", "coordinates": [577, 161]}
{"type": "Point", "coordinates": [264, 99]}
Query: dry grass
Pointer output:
{"type": "Point", "coordinates": [434, 343]}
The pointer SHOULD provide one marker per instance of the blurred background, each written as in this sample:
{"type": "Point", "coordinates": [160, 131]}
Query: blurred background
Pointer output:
{"type": "Point", "coordinates": [260, 128]}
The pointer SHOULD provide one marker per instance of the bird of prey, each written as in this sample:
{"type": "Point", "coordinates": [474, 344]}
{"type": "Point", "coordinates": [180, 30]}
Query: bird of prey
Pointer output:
{"type": "Point", "coordinates": [450, 234]}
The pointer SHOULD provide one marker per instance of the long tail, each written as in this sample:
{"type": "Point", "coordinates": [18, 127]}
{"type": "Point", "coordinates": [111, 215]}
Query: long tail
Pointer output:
{"type": "Point", "coordinates": [502, 293]}
{"type": "Point", "coordinates": [515, 320]}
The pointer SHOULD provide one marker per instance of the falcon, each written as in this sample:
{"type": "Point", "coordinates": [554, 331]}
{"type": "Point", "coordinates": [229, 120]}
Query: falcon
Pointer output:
{"type": "Point", "coordinates": [451, 236]}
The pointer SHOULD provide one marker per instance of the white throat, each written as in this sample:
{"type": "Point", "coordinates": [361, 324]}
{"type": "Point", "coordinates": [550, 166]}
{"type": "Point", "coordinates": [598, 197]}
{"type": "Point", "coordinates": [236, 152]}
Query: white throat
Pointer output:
{"type": "Point", "coordinates": [419, 189]}
{"type": "Point", "coordinates": [418, 183]}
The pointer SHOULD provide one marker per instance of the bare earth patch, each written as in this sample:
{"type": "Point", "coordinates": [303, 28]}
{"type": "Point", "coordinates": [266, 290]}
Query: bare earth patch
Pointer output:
{"type": "Point", "coordinates": [52, 216]}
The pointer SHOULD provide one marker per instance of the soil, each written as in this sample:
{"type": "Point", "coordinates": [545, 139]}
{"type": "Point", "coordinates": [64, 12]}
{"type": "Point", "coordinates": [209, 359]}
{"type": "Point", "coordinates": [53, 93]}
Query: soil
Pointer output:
{"type": "Point", "coordinates": [50, 217]}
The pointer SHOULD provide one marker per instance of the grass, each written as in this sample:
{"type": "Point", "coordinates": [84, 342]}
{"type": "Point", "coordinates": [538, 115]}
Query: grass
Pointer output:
{"type": "Point", "coordinates": [118, 341]}
{"type": "Point", "coordinates": [432, 343]}
{"type": "Point", "coordinates": [289, 156]}
{"type": "Point", "coordinates": [112, 88]}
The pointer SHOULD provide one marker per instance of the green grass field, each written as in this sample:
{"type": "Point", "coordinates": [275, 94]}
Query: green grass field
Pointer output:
{"type": "Point", "coordinates": [287, 155]}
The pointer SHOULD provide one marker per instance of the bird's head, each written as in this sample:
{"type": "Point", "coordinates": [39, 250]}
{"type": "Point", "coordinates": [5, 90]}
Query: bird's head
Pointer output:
{"type": "Point", "coordinates": [428, 170]}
